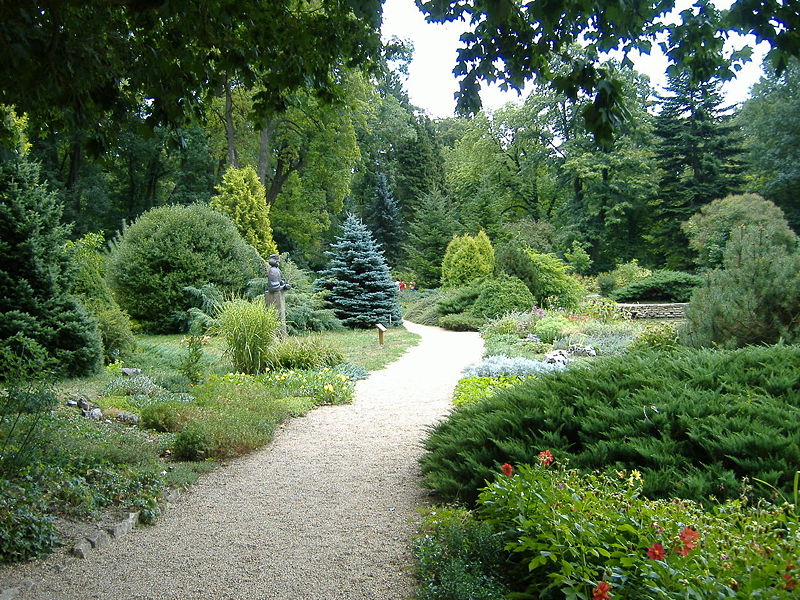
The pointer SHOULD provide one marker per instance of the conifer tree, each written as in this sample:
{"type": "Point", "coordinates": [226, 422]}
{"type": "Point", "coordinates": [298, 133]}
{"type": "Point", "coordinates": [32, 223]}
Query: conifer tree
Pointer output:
{"type": "Point", "coordinates": [429, 233]}
{"type": "Point", "coordinates": [361, 291]}
{"type": "Point", "coordinates": [243, 199]}
{"type": "Point", "coordinates": [699, 152]}
{"type": "Point", "coordinates": [384, 219]}
{"type": "Point", "coordinates": [35, 273]}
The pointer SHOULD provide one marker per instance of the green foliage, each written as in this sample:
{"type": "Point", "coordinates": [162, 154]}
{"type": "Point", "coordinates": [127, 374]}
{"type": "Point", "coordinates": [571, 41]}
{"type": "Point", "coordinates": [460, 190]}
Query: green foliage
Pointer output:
{"type": "Point", "coordinates": [384, 219]}
{"type": "Point", "coordinates": [458, 557]}
{"type": "Point", "coordinates": [302, 353]}
{"type": "Point", "coordinates": [662, 337]}
{"type": "Point", "coordinates": [167, 417]}
{"type": "Point", "coordinates": [243, 199]}
{"type": "Point", "coordinates": [692, 422]}
{"type": "Point", "coordinates": [429, 232]}
{"type": "Point", "coordinates": [621, 276]}
{"type": "Point", "coordinates": [501, 294]}
{"type": "Point", "coordinates": [545, 276]}
{"type": "Point", "coordinates": [753, 299]}
{"type": "Point", "coordinates": [249, 328]}
{"type": "Point", "coordinates": [461, 322]}
{"type": "Point", "coordinates": [360, 288]}
{"type": "Point", "coordinates": [190, 365]}
{"type": "Point", "coordinates": [35, 273]}
{"type": "Point", "coordinates": [670, 549]}
{"type": "Point", "coordinates": [578, 259]}
{"type": "Point", "coordinates": [602, 309]}
{"type": "Point", "coordinates": [475, 389]}
{"type": "Point", "coordinates": [192, 443]}
{"type": "Point", "coordinates": [25, 531]}
{"type": "Point", "coordinates": [116, 333]}
{"type": "Point", "coordinates": [459, 300]}
{"type": "Point", "coordinates": [466, 259]}
{"type": "Point", "coordinates": [423, 307]}
{"type": "Point", "coordinates": [169, 248]}
{"type": "Point", "coordinates": [664, 286]}
{"type": "Point", "coordinates": [551, 327]}
{"type": "Point", "coordinates": [710, 229]}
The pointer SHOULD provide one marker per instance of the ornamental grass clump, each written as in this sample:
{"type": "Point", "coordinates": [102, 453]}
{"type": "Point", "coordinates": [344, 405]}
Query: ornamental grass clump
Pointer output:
{"type": "Point", "coordinates": [249, 328]}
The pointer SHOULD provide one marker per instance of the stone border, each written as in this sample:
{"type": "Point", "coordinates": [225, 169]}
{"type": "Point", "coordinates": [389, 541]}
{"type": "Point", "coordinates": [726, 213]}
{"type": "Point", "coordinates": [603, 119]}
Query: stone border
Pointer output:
{"type": "Point", "coordinates": [674, 310]}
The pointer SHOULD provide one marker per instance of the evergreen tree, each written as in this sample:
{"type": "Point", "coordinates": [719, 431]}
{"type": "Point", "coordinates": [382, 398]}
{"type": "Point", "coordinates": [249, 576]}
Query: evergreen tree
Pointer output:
{"type": "Point", "coordinates": [35, 273]}
{"type": "Point", "coordinates": [383, 218]}
{"type": "Point", "coordinates": [361, 291]}
{"type": "Point", "coordinates": [243, 199]}
{"type": "Point", "coordinates": [432, 228]}
{"type": "Point", "coordinates": [699, 153]}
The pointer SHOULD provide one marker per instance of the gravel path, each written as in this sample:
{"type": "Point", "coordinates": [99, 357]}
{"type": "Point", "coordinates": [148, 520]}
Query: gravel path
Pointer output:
{"type": "Point", "coordinates": [324, 512]}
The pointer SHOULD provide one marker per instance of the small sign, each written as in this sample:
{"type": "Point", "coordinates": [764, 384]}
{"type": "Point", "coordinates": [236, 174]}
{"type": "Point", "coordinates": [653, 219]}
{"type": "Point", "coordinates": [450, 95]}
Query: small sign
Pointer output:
{"type": "Point", "coordinates": [380, 327]}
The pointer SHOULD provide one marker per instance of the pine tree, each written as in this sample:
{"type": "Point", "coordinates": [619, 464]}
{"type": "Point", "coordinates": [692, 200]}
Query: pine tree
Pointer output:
{"type": "Point", "coordinates": [700, 154]}
{"type": "Point", "coordinates": [432, 228]}
{"type": "Point", "coordinates": [35, 273]}
{"type": "Point", "coordinates": [361, 291]}
{"type": "Point", "coordinates": [383, 219]}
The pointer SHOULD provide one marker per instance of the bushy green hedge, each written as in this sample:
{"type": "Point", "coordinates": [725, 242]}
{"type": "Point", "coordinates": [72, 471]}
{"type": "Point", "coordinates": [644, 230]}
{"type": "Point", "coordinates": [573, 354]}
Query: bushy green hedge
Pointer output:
{"type": "Point", "coordinates": [546, 276]}
{"type": "Point", "coordinates": [499, 295]}
{"type": "Point", "coordinates": [693, 422]}
{"type": "Point", "coordinates": [665, 286]}
{"type": "Point", "coordinates": [169, 248]}
{"type": "Point", "coordinates": [461, 322]}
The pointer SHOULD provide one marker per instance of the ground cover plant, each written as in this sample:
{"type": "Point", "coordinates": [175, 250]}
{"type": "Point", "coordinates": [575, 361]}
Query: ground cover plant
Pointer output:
{"type": "Point", "coordinates": [545, 531]}
{"type": "Point", "coordinates": [693, 422]}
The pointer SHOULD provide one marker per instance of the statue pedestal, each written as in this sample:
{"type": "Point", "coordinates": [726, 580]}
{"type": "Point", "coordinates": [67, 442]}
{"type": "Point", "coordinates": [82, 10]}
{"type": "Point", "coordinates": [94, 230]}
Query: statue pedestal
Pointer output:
{"type": "Point", "coordinates": [276, 300]}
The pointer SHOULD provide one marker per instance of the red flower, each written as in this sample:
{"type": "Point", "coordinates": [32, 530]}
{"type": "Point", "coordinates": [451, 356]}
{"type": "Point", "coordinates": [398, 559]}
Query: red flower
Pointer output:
{"type": "Point", "coordinates": [507, 470]}
{"type": "Point", "coordinates": [601, 591]}
{"type": "Point", "coordinates": [545, 458]}
{"type": "Point", "coordinates": [687, 537]}
{"type": "Point", "coordinates": [655, 552]}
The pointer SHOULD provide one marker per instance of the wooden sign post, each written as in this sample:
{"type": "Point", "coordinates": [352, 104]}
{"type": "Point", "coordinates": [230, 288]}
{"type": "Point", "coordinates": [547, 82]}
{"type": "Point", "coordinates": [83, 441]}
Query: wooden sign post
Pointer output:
{"type": "Point", "coordinates": [380, 329]}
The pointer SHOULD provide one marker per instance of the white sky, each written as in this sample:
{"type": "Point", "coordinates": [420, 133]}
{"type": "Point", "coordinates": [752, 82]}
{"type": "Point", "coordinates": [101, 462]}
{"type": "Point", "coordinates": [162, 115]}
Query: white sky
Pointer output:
{"type": "Point", "coordinates": [431, 83]}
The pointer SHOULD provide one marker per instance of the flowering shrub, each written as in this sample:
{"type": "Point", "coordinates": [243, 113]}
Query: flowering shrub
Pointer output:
{"type": "Point", "coordinates": [475, 389]}
{"type": "Point", "coordinates": [503, 366]}
{"type": "Point", "coordinates": [593, 536]}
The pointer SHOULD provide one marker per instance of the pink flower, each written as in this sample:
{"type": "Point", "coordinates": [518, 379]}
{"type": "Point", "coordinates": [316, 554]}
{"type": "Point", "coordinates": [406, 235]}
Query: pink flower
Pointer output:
{"type": "Point", "coordinates": [507, 470]}
{"type": "Point", "coordinates": [655, 552]}
{"type": "Point", "coordinates": [545, 458]}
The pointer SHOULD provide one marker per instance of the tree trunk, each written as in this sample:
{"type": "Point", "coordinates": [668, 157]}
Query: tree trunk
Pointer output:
{"type": "Point", "coordinates": [233, 159]}
{"type": "Point", "coordinates": [264, 153]}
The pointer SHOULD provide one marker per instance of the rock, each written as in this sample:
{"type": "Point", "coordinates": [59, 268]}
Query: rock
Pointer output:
{"type": "Point", "coordinates": [95, 414]}
{"type": "Point", "coordinates": [171, 495]}
{"type": "Point", "coordinates": [121, 528]}
{"type": "Point", "coordinates": [72, 403]}
{"type": "Point", "coordinates": [98, 539]}
{"type": "Point", "coordinates": [557, 357]}
{"type": "Point", "coordinates": [82, 549]}
{"type": "Point", "coordinates": [578, 350]}
{"type": "Point", "coordinates": [83, 404]}
{"type": "Point", "coordinates": [126, 417]}
{"type": "Point", "coordinates": [130, 372]}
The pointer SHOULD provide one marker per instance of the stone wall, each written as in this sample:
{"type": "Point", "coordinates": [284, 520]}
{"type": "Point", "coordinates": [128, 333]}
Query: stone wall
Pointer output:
{"type": "Point", "coordinates": [654, 311]}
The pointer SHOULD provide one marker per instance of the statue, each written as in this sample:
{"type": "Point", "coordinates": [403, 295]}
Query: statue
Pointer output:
{"type": "Point", "coordinates": [275, 289]}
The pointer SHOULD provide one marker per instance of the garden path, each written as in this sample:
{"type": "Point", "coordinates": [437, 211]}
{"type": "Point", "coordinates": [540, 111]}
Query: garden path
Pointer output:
{"type": "Point", "coordinates": [324, 512]}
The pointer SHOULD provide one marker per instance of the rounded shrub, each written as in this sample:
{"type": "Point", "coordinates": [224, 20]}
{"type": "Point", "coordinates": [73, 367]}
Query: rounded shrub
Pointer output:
{"type": "Point", "coordinates": [545, 275]}
{"type": "Point", "coordinates": [550, 328]}
{"type": "Point", "coordinates": [170, 248]}
{"type": "Point", "coordinates": [501, 294]}
{"type": "Point", "coordinates": [621, 276]}
{"type": "Point", "coordinates": [467, 258]}
{"type": "Point", "coordinates": [664, 286]}
{"type": "Point", "coordinates": [193, 442]}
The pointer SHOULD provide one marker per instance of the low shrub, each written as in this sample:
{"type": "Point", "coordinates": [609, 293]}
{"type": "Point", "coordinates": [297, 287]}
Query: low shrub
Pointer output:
{"type": "Point", "coordinates": [511, 345]}
{"type": "Point", "coordinates": [475, 389]}
{"type": "Point", "coordinates": [551, 327]}
{"type": "Point", "coordinates": [504, 366]}
{"type": "Point", "coordinates": [499, 295]}
{"type": "Point", "coordinates": [665, 286]}
{"type": "Point", "coordinates": [546, 276]}
{"type": "Point", "coordinates": [423, 308]}
{"type": "Point", "coordinates": [611, 337]}
{"type": "Point", "coordinates": [351, 371]}
{"type": "Point", "coordinates": [167, 417]}
{"type": "Point", "coordinates": [461, 322]}
{"type": "Point", "coordinates": [301, 353]}
{"type": "Point", "coordinates": [459, 300]}
{"type": "Point", "coordinates": [662, 337]}
{"type": "Point", "coordinates": [693, 422]}
{"type": "Point", "coordinates": [193, 443]}
{"type": "Point", "coordinates": [26, 532]}
{"type": "Point", "coordinates": [577, 536]}
{"type": "Point", "coordinates": [602, 309]}
{"type": "Point", "coordinates": [621, 276]}
{"type": "Point", "coordinates": [115, 328]}
{"type": "Point", "coordinates": [458, 557]}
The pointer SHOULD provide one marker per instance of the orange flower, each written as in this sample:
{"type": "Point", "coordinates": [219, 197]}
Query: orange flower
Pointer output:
{"type": "Point", "coordinates": [655, 552]}
{"type": "Point", "coordinates": [507, 470]}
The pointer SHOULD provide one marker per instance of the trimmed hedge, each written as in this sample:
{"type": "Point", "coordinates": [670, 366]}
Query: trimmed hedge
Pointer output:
{"type": "Point", "coordinates": [666, 286]}
{"type": "Point", "coordinates": [692, 422]}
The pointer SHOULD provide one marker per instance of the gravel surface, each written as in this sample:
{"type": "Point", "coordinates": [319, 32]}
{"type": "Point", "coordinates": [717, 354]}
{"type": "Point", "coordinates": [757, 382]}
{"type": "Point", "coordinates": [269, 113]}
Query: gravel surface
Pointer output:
{"type": "Point", "coordinates": [324, 512]}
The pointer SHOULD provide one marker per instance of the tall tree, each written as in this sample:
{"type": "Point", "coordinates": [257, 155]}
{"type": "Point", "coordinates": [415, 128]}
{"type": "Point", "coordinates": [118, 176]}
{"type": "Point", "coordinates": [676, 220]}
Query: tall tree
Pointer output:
{"type": "Point", "coordinates": [383, 219]}
{"type": "Point", "coordinates": [700, 154]}
{"type": "Point", "coordinates": [428, 234]}
{"type": "Point", "coordinates": [769, 120]}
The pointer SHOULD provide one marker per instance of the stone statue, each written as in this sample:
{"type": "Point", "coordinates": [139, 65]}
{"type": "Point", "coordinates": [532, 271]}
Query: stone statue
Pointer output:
{"type": "Point", "coordinates": [274, 277]}
{"type": "Point", "coordinates": [275, 288]}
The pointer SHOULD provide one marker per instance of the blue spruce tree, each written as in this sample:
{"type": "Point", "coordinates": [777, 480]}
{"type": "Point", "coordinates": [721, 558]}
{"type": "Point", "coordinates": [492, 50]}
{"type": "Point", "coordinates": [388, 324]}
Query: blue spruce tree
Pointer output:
{"type": "Point", "coordinates": [361, 291]}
